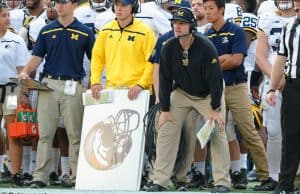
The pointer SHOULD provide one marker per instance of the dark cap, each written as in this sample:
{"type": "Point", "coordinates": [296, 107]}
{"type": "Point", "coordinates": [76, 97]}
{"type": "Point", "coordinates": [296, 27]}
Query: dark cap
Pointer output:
{"type": "Point", "coordinates": [178, 4]}
{"type": "Point", "coordinates": [126, 2]}
{"type": "Point", "coordinates": [184, 15]}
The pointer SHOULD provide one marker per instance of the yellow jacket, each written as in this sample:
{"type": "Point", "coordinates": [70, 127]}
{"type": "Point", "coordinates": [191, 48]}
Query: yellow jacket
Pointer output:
{"type": "Point", "coordinates": [124, 55]}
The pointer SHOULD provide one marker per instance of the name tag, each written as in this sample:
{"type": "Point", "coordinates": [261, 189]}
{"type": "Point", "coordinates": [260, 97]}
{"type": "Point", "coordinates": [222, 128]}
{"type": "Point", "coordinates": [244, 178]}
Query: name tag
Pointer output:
{"type": "Point", "coordinates": [70, 88]}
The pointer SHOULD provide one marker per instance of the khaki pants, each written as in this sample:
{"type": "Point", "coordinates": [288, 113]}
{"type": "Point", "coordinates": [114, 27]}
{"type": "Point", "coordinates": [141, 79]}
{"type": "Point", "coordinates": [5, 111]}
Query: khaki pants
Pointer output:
{"type": "Point", "coordinates": [51, 106]}
{"type": "Point", "coordinates": [238, 102]}
{"type": "Point", "coordinates": [183, 164]}
{"type": "Point", "coordinates": [169, 136]}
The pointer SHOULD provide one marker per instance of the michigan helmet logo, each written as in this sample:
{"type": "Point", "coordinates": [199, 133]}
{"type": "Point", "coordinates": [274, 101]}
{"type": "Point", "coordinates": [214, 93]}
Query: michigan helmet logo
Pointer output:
{"type": "Point", "coordinates": [108, 142]}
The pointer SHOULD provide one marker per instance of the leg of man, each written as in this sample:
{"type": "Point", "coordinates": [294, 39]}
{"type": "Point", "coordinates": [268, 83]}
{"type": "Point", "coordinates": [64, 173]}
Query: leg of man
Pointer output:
{"type": "Point", "coordinates": [290, 136]}
{"type": "Point", "coordinates": [168, 139]}
{"type": "Point", "coordinates": [274, 140]}
{"type": "Point", "coordinates": [15, 144]}
{"type": "Point", "coordinates": [48, 115]}
{"type": "Point", "coordinates": [64, 149]}
{"type": "Point", "coordinates": [72, 113]}
{"type": "Point", "coordinates": [189, 135]}
{"type": "Point", "coordinates": [219, 145]}
{"type": "Point", "coordinates": [238, 102]}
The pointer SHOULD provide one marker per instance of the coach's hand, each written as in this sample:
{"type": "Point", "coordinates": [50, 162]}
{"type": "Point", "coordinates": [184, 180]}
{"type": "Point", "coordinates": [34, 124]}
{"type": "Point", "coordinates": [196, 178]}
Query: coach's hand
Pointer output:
{"type": "Point", "coordinates": [218, 118]}
{"type": "Point", "coordinates": [134, 91]}
{"type": "Point", "coordinates": [96, 88]}
{"type": "Point", "coordinates": [271, 98]}
{"type": "Point", "coordinates": [23, 76]}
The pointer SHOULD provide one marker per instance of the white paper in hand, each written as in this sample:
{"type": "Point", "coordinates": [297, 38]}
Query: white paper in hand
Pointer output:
{"type": "Point", "coordinates": [105, 98]}
{"type": "Point", "coordinates": [205, 133]}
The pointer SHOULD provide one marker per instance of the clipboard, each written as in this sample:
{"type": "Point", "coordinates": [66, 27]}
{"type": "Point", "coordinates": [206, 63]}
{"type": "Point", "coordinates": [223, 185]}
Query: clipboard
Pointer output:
{"type": "Point", "coordinates": [205, 133]}
{"type": "Point", "coordinates": [31, 84]}
{"type": "Point", "coordinates": [106, 96]}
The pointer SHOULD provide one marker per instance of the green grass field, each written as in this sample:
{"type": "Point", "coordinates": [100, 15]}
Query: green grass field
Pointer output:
{"type": "Point", "coordinates": [5, 189]}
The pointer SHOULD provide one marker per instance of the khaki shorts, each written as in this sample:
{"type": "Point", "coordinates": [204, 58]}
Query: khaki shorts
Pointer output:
{"type": "Point", "coordinates": [8, 91]}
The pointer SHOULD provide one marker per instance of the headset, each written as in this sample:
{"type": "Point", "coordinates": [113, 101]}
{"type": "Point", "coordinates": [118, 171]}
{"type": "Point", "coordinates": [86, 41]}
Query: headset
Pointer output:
{"type": "Point", "coordinates": [285, 5]}
{"type": "Point", "coordinates": [190, 19]}
{"type": "Point", "coordinates": [135, 6]}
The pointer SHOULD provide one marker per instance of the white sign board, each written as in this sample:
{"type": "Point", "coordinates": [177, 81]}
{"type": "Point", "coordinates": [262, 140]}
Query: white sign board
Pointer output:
{"type": "Point", "coordinates": [112, 144]}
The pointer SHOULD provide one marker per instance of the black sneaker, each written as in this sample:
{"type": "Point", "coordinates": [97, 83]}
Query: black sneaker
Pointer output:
{"type": "Point", "coordinates": [66, 181]}
{"type": "Point", "coordinates": [244, 176]}
{"type": "Point", "coordinates": [181, 186]}
{"type": "Point", "coordinates": [266, 185]}
{"type": "Point", "coordinates": [282, 191]}
{"type": "Point", "coordinates": [5, 177]}
{"type": "Point", "coordinates": [53, 179]}
{"type": "Point", "coordinates": [37, 185]}
{"type": "Point", "coordinates": [236, 180]}
{"type": "Point", "coordinates": [220, 189]}
{"type": "Point", "coordinates": [16, 180]}
{"type": "Point", "coordinates": [27, 178]}
{"type": "Point", "coordinates": [156, 188]}
{"type": "Point", "coordinates": [146, 185]}
{"type": "Point", "coordinates": [197, 180]}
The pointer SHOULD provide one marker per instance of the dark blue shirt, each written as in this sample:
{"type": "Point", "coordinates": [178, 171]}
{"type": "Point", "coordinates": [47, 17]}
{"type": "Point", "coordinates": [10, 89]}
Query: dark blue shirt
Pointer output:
{"type": "Point", "coordinates": [154, 58]}
{"type": "Point", "coordinates": [64, 48]}
{"type": "Point", "coordinates": [230, 39]}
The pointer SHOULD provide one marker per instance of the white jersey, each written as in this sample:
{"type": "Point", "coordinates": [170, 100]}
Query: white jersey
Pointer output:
{"type": "Point", "coordinates": [250, 24]}
{"type": "Point", "coordinates": [34, 31]}
{"type": "Point", "coordinates": [87, 16]}
{"type": "Point", "coordinates": [35, 28]}
{"type": "Point", "coordinates": [155, 17]}
{"type": "Point", "coordinates": [17, 17]}
{"type": "Point", "coordinates": [265, 7]}
{"type": "Point", "coordinates": [104, 18]}
{"type": "Point", "coordinates": [271, 24]}
{"type": "Point", "coordinates": [151, 13]}
{"type": "Point", "coordinates": [13, 54]}
{"type": "Point", "coordinates": [204, 28]}
{"type": "Point", "coordinates": [233, 13]}
{"type": "Point", "coordinates": [20, 18]}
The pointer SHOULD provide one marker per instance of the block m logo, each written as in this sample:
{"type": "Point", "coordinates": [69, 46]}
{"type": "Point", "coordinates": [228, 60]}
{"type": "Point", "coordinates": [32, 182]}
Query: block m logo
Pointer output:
{"type": "Point", "coordinates": [130, 38]}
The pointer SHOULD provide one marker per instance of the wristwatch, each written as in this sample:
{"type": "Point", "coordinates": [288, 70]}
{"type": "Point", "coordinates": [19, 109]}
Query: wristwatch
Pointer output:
{"type": "Point", "coordinates": [218, 109]}
{"type": "Point", "coordinates": [271, 90]}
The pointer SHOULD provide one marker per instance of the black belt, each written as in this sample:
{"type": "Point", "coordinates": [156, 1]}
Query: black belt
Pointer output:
{"type": "Point", "coordinates": [63, 78]}
{"type": "Point", "coordinates": [3, 87]}
{"type": "Point", "coordinates": [235, 83]}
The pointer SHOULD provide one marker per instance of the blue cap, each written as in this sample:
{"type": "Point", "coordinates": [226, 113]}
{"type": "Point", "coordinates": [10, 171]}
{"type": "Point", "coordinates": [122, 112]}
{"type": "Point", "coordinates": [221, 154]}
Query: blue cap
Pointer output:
{"type": "Point", "coordinates": [185, 15]}
{"type": "Point", "coordinates": [179, 4]}
{"type": "Point", "coordinates": [126, 2]}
